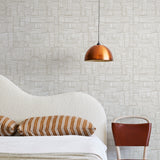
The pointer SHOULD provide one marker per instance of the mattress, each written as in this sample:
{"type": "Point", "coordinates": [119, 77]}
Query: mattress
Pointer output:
{"type": "Point", "coordinates": [52, 147]}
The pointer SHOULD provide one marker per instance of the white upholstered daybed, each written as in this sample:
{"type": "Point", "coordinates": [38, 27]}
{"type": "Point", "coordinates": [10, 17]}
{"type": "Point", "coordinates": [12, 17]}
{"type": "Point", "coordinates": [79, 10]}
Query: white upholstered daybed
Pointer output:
{"type": "Point", "coordinates": [19, 105]}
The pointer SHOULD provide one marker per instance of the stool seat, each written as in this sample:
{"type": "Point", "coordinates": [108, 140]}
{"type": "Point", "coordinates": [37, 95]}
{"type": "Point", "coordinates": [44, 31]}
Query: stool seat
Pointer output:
{"type": "Point", "coordinates": [132, 159]}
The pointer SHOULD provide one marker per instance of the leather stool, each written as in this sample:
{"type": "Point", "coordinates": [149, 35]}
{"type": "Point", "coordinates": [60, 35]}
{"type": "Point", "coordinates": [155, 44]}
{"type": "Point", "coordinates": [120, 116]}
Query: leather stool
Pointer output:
{"type": "Point", "coordinates": [131, 135]}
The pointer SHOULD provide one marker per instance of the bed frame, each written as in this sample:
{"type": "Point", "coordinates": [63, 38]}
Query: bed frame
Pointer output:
{"type": "Point", "coordinates": [19, 105]}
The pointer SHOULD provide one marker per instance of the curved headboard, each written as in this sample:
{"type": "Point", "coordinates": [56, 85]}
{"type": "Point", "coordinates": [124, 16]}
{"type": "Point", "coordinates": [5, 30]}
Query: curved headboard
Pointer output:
{"type": "Point", "coordinates": [19, 105]}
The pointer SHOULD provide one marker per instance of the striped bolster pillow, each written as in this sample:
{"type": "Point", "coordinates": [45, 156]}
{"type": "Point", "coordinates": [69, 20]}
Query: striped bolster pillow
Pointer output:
{"type": "Point", "coordinates": [7, 126]}
{"type": "Point", "coordinates": [56, 125]}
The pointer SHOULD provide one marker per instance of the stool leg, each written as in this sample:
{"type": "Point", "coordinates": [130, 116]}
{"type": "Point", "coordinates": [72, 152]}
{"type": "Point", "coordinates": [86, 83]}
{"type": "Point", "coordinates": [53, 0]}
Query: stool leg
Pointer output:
{"type": "Point", "coordinates": [144, 153]}
{"type": "Point", "coordinates": [118, 153]}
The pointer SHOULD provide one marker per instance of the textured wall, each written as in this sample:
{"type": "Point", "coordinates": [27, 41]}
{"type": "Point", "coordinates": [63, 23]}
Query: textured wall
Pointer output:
{"type": "Point", "coordinates": [43, 43]}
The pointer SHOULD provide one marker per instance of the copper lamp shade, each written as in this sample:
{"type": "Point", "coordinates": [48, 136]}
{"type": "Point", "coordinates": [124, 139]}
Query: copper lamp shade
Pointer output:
{"type": "Point", "coordinates": [98, 53]}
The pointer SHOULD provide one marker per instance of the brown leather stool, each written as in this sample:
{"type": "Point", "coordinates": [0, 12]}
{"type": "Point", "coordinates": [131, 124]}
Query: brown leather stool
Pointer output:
{"type": "Point", "coordinates": [131, 134]}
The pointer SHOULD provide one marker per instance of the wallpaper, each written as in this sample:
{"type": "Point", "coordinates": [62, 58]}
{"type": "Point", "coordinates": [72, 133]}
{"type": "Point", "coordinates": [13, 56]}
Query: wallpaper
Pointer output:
{"type": "Point", "coordinates": [43, 44]}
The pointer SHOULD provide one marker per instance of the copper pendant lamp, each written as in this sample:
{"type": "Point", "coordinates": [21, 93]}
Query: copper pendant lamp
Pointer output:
{"type": "Point", "coordinates": [98, 53]}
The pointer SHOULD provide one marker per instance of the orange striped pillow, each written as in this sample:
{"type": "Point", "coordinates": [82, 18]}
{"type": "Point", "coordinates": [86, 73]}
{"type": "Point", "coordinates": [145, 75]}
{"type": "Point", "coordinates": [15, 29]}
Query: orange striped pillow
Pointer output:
{"type": "Point", "coordinates": [56, 125]}
{"type": "Point", "coordinates": [7, 126]}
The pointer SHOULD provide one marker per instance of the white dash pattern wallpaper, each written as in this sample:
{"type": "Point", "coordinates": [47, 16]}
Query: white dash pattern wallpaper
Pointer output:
{"type": "Point", "coordinates": [42, 48]}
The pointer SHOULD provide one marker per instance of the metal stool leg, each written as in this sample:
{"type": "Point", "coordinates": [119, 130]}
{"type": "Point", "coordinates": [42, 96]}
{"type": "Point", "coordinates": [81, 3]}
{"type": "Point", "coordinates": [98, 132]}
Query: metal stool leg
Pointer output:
{"type": "Point", "coordinates": [118, 153]}
{"type": "Point", "coordinates": [144, 153]}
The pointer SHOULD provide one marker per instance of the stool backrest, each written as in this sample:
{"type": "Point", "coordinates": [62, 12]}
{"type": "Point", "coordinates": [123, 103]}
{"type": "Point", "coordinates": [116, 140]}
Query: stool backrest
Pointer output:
{"type": "Point", "coordinates": [131, 134]}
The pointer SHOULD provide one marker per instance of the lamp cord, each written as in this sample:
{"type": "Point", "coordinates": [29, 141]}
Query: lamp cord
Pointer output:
{"type": "Point", "coordinates": [98, 21]}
